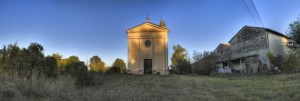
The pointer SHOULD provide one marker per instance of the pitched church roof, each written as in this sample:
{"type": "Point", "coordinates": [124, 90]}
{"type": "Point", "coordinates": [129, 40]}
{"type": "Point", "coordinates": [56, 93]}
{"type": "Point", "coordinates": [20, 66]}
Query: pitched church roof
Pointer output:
{"type": "Point", "coordinates": [162, 26]}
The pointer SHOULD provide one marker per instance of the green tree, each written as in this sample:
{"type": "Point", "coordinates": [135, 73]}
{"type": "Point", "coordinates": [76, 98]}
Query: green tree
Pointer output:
{"type": "Point", "coordinates": [3, 55]}
{"type": "Point", "coordinates": [23, 63]}
{"type": "Point", "coordinates": [63, 63]}
{"type": "Point", "coordinates": [119, 66]}
{"type": "Point", "coordinates": [13, 50]}
{"type": "Point", "coordinates": [180, 54]}
{"type": "Point", "coordinates": [36, 58]}
{"type": "Point", "coordinates": [67, 64]}
{"type": "Point", "coordinates": [180, 62]}
{"type": "Point", "coordinates": [50, 66]}
{"type": "Point", "coordinates": [96, 64]}
{"type": "Point", "coordinates": [294, 34]}
{"type": "Point", "coordinates": [57, 57]}
{"type": "Point", "coordinates": [10, 57]}
{"type": "Point", "coordinates": [73, 59]}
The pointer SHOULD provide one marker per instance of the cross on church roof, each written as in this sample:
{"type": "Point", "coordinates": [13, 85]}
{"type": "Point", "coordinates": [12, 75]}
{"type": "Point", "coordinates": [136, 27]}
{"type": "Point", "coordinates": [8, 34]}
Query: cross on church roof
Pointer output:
{"type": "Point", "coordinates": [147, 19]}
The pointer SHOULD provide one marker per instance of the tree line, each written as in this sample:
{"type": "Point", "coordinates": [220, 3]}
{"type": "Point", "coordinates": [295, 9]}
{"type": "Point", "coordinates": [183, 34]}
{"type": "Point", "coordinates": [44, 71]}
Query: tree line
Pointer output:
{"type": "Point", "coordinates": [31, 62]}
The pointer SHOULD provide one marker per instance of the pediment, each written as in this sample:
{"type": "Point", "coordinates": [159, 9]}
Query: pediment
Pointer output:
{"type": "Point", "coordinates": [147, 27]}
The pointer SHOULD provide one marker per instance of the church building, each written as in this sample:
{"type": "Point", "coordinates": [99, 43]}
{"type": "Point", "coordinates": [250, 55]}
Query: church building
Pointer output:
{"type": "Point", "coordinates": [148, 48]}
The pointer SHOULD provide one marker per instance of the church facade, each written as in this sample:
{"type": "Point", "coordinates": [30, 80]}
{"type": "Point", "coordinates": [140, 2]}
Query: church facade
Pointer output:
{"type": "Point", "coordinates": [148, 48]}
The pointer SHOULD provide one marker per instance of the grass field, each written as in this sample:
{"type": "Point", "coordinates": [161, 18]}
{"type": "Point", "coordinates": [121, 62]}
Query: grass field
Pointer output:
{"type": "Point", "coordinates": [283, 87]}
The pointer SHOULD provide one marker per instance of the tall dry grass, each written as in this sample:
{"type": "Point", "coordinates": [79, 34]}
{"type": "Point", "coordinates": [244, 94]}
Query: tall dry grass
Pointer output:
{"type": "Point", "coordinates": [155, 87]}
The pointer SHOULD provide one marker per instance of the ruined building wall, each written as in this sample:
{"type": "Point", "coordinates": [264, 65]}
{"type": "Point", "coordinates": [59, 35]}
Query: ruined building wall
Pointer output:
{"type": "Point", "coordinates": [251, 45]}
{"type": "Point", "coordinates": [223, 53]}
{"type": "Point", "coordinates": [250, 42]}
{"type": "Point", "coordinates": [277, 44]}
{"type": "Point", "coordinates": [249, 48]}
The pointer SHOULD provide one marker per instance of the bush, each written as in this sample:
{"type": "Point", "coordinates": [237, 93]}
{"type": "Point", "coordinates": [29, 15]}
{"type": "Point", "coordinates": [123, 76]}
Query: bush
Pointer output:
{"type": "Point", "coordinates": [206, 65]}
{"type": "Point", "coordinates": [114, 70]}
{"type": "Point", "coordinates": [82, 76]}
{"type": "Point", "coordinates": [50, 66]}
{"type": "Point", "coordinates": [287, 64]}
{"type": "Point", "coordinates": [291, 63]}
{"type": "Point", "coordinates": [183, 67]}
{"type": "Point", "coordinates": [85, 79]}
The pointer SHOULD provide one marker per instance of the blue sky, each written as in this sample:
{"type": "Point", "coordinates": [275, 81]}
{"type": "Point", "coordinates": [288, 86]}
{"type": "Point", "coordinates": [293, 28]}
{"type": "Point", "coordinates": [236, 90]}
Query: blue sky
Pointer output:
{"type": "Point", "coordinates": [98, 27]}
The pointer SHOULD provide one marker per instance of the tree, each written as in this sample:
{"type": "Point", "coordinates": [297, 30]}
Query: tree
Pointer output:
{"type": "Point", "coordinates": [294, 34]}
{"type": "Point", "coordinates": [23, 63]}
{"type": "Point", "coordinates": [118, 66]}
{"type": "Point", "coordinates": [50, 66]}
{"type": "Point", "coordinates": [62, 63]}
{"type": "Point", "coordinates": [3, 55]}
{"type": "Point", "coordinates": [67, 64]}
{"type": "Point", "coordinates": [180, 54]}
{"type": "Point", "coordinates": [12, 51]}
{"type": "Point", "coordinates": [180, 61]}
{"type": "Point", "coordinates": [96, 64]}
{"type": "Point", "coordinates": [11, 55]}
{"type": "Point", "coordinates": [73, 59]}
{"type": "Point", "coordinates": [36, 58]}
{"type": "Point", "coordinates": [57, 57]}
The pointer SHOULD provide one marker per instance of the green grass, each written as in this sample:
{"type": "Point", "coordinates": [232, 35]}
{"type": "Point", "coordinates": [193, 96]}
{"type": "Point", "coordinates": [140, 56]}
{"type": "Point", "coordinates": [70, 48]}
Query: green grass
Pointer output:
{"type": "Point", "coordinates": [282, 87]}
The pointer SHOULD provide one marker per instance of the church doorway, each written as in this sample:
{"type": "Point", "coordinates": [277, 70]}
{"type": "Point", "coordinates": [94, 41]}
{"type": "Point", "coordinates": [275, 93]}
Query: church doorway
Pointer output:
{"type": "Point", "coordinates": [147, 66]}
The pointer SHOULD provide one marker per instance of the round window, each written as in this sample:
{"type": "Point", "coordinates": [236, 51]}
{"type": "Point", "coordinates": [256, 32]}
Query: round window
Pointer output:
{"type": "Point", "coordinates": [147, 43]}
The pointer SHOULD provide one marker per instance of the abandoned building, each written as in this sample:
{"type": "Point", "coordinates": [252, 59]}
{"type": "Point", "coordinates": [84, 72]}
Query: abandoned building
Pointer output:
{"type": "Point", "coordinates": [247, 50]}
{"type": "Point", "coordinates": [148, 48]}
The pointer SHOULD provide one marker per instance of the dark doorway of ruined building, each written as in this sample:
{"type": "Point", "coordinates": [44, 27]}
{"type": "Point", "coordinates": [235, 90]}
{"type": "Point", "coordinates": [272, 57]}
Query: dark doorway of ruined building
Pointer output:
{"type": "Point", "coordinates": [147, 66]}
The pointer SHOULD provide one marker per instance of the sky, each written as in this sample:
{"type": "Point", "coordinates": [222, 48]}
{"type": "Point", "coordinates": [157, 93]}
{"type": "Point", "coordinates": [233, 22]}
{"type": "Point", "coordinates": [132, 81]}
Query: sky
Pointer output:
{"type": "Point", "coordinates": [98, 27]}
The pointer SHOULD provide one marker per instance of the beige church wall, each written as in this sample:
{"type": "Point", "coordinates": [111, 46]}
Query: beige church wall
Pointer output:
{"type": "Point", "coordinates": [146, 52]}
{"type": "Point", "coordinates": [138, 52]}
{"type": "Point", "coordinates": [133, 55]}
{"type": "Point", "coordinates": [277, 44]}
{"type": "Point", "coordinates": [160, 55]}
{"type": "Point", "coordinates": [136, 44]}
{"type": "Point", "coordinates": [147, 35]}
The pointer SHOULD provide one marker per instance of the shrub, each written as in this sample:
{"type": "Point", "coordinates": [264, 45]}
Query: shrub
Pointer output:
{"type": "Point", "coordinates": [287, 64]}
{"type": "Point", "coordinates": [50, 66]}
{"type": "Point", "coordinates": [183, 67]}
{"type": "Point", "coordinates": [83, 77]}
{"type": "Point", "coordinates": [291, 63]}
{"type": "Point", "coordinates": [114, 70]}
{"type": "Point", "coordinates": [206, 65]}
